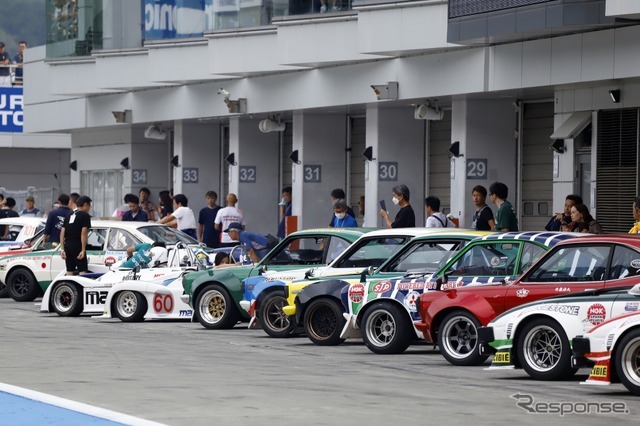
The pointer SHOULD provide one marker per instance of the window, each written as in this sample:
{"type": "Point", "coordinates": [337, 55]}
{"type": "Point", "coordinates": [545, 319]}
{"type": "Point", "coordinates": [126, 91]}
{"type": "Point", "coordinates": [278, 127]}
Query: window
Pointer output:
{"type": "Point", "coordinates": [104, 187]}
{"type": "Point", "coordinates": [299, 251]}
{"type": "Point", "coordinates": [490, 259]}
{"type": "Point", "coordinates": [371, 252]}
{"type": "Point", "coordinates": [96, 239]}
{"type": "Point", "coordinates": [427, 256]}
{"type": "Point", "coordinates": [573, 264]}
{"type": "Point", "coordinates": [530, 254]}
{"type": "Point", "coordinates": [120, 240]}
{"type": "Point", "coordinates": [164, 234]}
{"type": "Point", "coordinates": [625, 263]}
{"type": "Point", "coordinates": [336, 247]}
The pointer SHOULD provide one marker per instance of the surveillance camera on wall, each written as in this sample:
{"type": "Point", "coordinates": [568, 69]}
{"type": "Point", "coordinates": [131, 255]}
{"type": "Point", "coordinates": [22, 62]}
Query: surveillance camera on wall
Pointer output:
{"type": "Point", "coordinates": [155, 132]}
{"type": "Point", "coordinates": [427, 112]}
{"type": "Point", "coordinates": [269, 125]}
{"type": "Point", "coordinates": [224, 93]}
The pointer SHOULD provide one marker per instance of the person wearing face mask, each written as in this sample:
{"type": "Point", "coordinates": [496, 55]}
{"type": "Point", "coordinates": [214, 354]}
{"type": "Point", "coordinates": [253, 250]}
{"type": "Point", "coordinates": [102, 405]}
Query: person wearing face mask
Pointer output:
{"type": "Point", "coordinates": [405, 218]}
{"type": "Point", "coordinates": [340, 217]}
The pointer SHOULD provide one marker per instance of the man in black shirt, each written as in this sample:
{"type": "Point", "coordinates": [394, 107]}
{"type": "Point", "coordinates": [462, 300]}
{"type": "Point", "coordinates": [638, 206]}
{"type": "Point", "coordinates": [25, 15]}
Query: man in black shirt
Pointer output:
{"type": "Point", "coordinates": [74, 236]}
{"type": "Point", "coordinates": [55, 220]}
{"type": "Point", "coordinates": [405, 218]}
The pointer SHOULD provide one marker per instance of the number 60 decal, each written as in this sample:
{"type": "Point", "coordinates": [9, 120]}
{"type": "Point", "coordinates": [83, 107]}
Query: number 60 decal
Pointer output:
{"type": "Point", "coordinates": [163, 303]}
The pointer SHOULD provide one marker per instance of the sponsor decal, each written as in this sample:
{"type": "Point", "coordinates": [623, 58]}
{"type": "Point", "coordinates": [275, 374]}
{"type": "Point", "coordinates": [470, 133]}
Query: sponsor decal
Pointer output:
{"type": "Point", "coordinates": [523, 292]}
{"type": "Point", "coordinates": [277, 278]}
{"type": "Point", "coordinates": [635, 263]}
{"type": "Point", "coordinates": [356, 293]}
{"type": "Point", "coordinates": [502, 358]}
{"type": "Point", "coordinates": [410, 300]}
{"type": "Point", "coordinates": [599, 371]}
{"type": "Point", "coordinates": [412, 286]}
{"type": "Point", "coordinates": [631, 306]}
{"type": "Point", "coordinates": [495, 261]}
{"type": "Point", "coordinates": [157, 275]}
{"type": "Point", "coordinates": [562, 289]}
{"type": "Point", "coordinates": [562, 309]}
{"type": "Point", "coordinates": [95, 297]}
{"type": "Point", "coordinates": [186, 313]}
{"type": "Point", "coordinates": [43, 265]}
{"type": "Point", "coordinates": [131, 276]}
{"type": "Point", "coordinates": [596, 314]}
{"type": "Point", "coordinates": [381, 287]}
{"type": "Point", "coordinates": [109, 261]}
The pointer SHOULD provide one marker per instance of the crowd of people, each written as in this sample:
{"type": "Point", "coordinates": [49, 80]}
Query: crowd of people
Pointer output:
{"type": "Point", "coordinates": [11, 71]}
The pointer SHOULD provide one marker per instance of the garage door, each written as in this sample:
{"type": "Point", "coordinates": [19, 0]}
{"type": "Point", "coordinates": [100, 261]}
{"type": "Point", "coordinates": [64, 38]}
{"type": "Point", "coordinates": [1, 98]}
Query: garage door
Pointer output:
{"type": "Point", "coordinates": [439, 164]}
{"type": "Point", "coordinates": [358, 145]}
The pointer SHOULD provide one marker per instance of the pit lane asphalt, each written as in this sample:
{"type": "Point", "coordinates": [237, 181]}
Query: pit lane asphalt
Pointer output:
{"type": "Point", "coordinates": [179, 373]}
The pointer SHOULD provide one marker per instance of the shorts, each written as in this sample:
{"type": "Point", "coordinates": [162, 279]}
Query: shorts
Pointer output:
{"type": "Point", "coordinates": [72, 262]}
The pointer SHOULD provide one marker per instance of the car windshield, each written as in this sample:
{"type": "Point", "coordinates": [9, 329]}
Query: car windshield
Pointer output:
{"type": "Point", "coordinates": [167, 235]}
{"type": "Point", "coordinates": [424, 256]}
{"type": "Point", "coordinates": [370, 252]}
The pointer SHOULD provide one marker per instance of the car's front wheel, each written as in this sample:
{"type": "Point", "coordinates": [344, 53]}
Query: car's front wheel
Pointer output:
{"type": "Point", "coordinates": [130, 306]}
{"type": "Point", "coordinates": [66, 300]}
{"type": "Point", "coordinates": [323, 322]}
{"type": "Point", "coordinates": [387, 328]}
{"type": "Point", "coordinates": [544, 351]}
{"type": "Point", "coordinates": [23, 286]}
{"type": "Point", "coordinates": [627, 359]}
{"type": "Point", "coordinates": [458, 339]}
{"type": "Point", "coordinates": [215, 308]}
{"type": "Point", "coordinates": [273, 320]}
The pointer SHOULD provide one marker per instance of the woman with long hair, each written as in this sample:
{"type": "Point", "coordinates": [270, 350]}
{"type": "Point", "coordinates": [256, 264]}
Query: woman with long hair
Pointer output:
{"type": "Point", "coordinates": [582, 221]}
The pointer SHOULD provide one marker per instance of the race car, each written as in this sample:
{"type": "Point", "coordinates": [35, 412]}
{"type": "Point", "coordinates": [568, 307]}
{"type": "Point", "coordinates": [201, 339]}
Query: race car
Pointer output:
{"type": "Point", "coordinates": [614, 347]}
{"type": "Point", "coordinates": [264, 294]}
{"type": "Point", "coordinates": [451, 316]}
{"type": "Point", "coordinates": [215, 294]}
{"type": "Point", "coordinates": [26, 232]}
{"type": "Point", "coordinates": [28, 275]}
{"type": "Point", "coordinates": [536, 336]}
{"type": "Point", "coordinates": [126, 292]}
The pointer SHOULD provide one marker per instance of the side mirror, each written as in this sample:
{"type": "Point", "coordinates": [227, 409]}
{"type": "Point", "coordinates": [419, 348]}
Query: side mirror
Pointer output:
{"type": "Point", "coordinates": [365, 272]}
{"type": "Point", "coordinates": [262, 269]}
{"type": "Point", "coordinates": [440, 281]}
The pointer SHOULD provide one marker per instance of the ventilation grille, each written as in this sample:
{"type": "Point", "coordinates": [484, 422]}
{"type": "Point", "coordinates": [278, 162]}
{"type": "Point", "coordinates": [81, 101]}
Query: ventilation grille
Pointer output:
{"type": "Point", "coordinates": [459, 8]}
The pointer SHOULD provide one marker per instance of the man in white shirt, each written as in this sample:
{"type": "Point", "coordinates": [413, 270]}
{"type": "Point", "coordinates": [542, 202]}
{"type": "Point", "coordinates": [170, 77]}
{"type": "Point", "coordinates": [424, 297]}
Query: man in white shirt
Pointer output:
{"type": "Point", "coordinates": [186, 221]}
{"type": "Point", "coordinates": [435, 219]}
{"type": "Point", "coordinates": [225, 217]}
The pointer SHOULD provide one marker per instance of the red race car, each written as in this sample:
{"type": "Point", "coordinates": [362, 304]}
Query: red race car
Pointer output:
{"type": "Point", "coordinates": [451, 316]}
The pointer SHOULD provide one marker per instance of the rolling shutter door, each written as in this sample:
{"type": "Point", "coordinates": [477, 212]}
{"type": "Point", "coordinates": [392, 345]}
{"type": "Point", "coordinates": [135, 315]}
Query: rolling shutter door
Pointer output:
{"type": "Point", "coordinates": [287, 148]}
{"type": "Point", "coordinates": [439, 164]}
{"type": "Point", "coordinates": [358, 145]}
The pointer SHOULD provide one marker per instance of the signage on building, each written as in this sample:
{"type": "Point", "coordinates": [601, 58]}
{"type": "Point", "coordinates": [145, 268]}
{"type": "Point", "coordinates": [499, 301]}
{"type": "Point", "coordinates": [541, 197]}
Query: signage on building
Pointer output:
{"type": "Point", "coordinates": [11, 116]}
{"type": "Point", "coordinates": [247, 174]}
{"type": "Point", "coordinates": [165, 19]}
{"type": "Point", "coordinates": [477, 168]}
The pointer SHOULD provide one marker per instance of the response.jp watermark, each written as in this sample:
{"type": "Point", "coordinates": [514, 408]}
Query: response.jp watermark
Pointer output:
{"type": "Point", "coordinates": [562, 408]}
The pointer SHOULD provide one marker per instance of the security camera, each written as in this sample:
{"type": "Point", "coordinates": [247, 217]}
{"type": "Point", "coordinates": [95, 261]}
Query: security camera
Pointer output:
{"type": "Point", "coordinates": [224, 93]}
{"type": "Point", "coordinates": [427, 112]}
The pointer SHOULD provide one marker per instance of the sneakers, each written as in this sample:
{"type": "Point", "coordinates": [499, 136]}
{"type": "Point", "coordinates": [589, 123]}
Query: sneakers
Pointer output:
{"type": "Point", "coordinates": [323, 9]}
{"type": "Point", "coordinates": [335, 8]}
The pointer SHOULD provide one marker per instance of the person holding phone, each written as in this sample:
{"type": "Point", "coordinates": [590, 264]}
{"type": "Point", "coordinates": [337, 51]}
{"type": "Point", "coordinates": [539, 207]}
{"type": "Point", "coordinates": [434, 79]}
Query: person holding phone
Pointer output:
{"type": "Point", "coordinates": [405, 218]}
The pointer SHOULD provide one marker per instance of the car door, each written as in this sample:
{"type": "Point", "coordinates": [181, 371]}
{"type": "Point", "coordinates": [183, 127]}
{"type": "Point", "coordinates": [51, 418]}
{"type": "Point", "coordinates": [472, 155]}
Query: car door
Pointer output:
{"type": "Point", "coordinates": [96, 240]}
{"type": "Point", "coordinates": [565, 269]}
{"type": "Point", "coordinates": [624, 271]}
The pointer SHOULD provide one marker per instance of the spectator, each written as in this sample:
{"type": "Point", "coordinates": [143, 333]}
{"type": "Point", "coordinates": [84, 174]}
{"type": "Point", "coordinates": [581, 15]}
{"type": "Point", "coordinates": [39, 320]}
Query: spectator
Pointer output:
{"type": "Point", "coordinates": [636, 216]}
{"type": "Point", "coordinates": [436, 219]}
{"type": "Point", "coordinates": [559, 220]}
{"type": "Point", "coordinates": [122, 209]}
{"type": "Point", "coordinates": [147, 206]}
{"type": "Point", "coordinates": [582, 221]}
{"type": "Point", "coordinates": [225, 217]}
{"type": "Point", "coordinates": [5, 71]}
{"type": "Point", "coordinates": [483, 216]}
{"type": "Point", "coordinates": [30, 209]}
{"type": "Point", "coordinates": [256, 244]}
{"type": "Point", "coordinates": [221, 258]}
{"type": "Point", "coordinates": [166, 204]}
{"type": "Point", "coordinates": [341, 217]}
{"type": "Point", "coordinates": [505, 218]}
{"type": "Point", "coordinates": [74, 235]}
{"type": "Point", "coordinates": [323, 6]}
{"type": "Point", "coordinates": [73, 198]}
{"type": "Point", "coordinates": [405, 218]}
{"type": "Point", "coordinates": [338, 194]}
{"type": "Point", "coordinates": [7, 211]}
{"type": "Point", "coordinates": [55, 220]}
{"type": "Point", "coordinates": [1, 200]}
{"type": "Point", "coordinates": [285, 211]}
{"type": "Point", "coordinates": [186, 221]}
{"type": "Point", "coordinates": [18, 59]}
{"type": "Point", "coordinates": [135, 213]}
{"type": "Point", "coordinates": [207, 232]}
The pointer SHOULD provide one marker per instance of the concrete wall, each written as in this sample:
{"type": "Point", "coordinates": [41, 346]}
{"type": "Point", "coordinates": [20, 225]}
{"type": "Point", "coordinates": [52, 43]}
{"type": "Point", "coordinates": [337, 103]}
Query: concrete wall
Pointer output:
{"type": "Point", "coordinates": [23, 167]}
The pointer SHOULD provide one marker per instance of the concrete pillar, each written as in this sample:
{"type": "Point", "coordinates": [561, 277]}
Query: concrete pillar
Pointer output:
{"type": "Point", "coordinates": [149, 164]}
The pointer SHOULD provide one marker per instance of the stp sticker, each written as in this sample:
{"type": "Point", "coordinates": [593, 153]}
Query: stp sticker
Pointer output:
{"type": "Point", "coordinates": [356, 293]}
{"type": "Point", "coordinates": [381, 287]}
{"type": "Point", "coordinates": [523, 292]}
{"type": "Point", "coordinates": [410, 300]}
{"type": "Point", "coordinates": [596, 314]}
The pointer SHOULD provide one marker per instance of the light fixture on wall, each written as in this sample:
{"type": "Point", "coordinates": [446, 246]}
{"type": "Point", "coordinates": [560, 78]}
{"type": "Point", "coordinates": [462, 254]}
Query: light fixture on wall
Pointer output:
{"type": "Point", "coordinates": [155, 132]}
{"type": "Point", "coordinates": [175, 161]}
{"type": "Point", "coordinates": [386, 91]}
{"type": "Point", "coordinates": [428, 112]}
{"type": "Point", "coordinates": [454, 150]}
{"type": "Point", "coordinates": [231, 159]}
{"type": "Point", "coordinates": [272, 124]}
{"type": "Point", "coordinates": [74, 165]}
{"type": "Point", "coordinates": [614, 95]}
{"type": "Point", "coordinates": [294, 157]}
{"type": "Point", "coordinates": [558, 146]}
{"type": "Point", "coordinates": [125, 163]}
{"type": "Point", "coordinates": [122, 116]}
{"type": "Point", "coordinates": [237, 106]}
{"type": "Point", "coordinates": [367, 154]}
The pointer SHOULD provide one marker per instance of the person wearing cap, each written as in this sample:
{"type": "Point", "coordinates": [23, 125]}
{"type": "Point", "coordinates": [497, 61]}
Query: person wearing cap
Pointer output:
{"type": "Point", "coordinates": [256, 244]}
{"type": "Point", "coordinates": [55, 220]}
{"type": "Point", "coordinates": [5, 71]}
{"type": "Point", "coordinates": [341, 219]}
{"type": "Point", "coordinates": [30, 209]}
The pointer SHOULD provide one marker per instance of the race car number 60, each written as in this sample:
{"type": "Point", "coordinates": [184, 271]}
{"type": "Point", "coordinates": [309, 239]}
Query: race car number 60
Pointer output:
{"type": "Point", "coordinates": [162, 303]}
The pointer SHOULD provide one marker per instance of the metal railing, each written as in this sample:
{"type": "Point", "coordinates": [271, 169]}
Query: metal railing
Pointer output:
{"type": "Point", "coordinates": [44, 198]}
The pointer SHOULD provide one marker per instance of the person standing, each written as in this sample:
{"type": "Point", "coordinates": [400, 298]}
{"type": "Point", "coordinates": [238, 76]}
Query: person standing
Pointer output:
{"type": "Point", "coordinates": [30, 209]}
{"type": "Point", "coordinates": [285, 211]}
{"type": "Point", "coordinates": [74, 236]}
{"type": "Point", "coordinates": [482, 219]}
{"type": "Point", "coordinates": [5, 71]}
{"type": "Point", "coordinates": [7, 211]}
{"type": "Point", "coordinates": [18, 59]}
{"type": "Point", "coordinates": [166, 204]}
{"type": "Point", "coordinates": [341, 218]}
{"type": "Point", "coordinates": [135, 213]}
{"type": "Point", "coordinates": [405, 218]}
{"type": "Point", "coordinates": [338, 194]}
{"type": "Point", "coordinates": [435, 218]}
{"type": "Point", "coordinates": [207, 232]}
{"type": "Point", "coordinates": [559, 220]}
{"type": "Point", "coordinates": [55, 220]}
{"type": "Point", "coordinates": [146, 205]}
{"type": "Point", "coordinates": [582, 221]}
{"type": "Point", "coordinates": [636, 215]}
{"type": "Point", "coordinates": [505, 218]}
{"type": "Point", "coordinates": [225, 217]}
{"type": "Point", "coordinates": [186, 221]}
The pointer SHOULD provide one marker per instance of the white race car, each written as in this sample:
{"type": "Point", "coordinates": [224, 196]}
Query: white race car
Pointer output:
{"type": "Point", "coordinates": [131, 295]}
{"type": "Point", "coordinates": [614, 346]}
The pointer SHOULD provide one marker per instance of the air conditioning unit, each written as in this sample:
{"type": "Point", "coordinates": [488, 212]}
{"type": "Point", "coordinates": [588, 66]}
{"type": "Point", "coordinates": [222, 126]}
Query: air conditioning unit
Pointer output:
{"type": "Point", "coordinates": [155, 132]}
{"type": "Point", "coordinates": [268, 125]}
{"type": "Point", "coordinates": [426, 112]}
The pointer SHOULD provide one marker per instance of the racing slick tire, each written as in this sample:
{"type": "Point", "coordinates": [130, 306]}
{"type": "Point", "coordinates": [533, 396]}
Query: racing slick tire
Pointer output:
{"type": "Point", "coordinates": [22, 285]}
{"type": "Point", "coordinates": [323, 322]}
{"type": "Point", "coordinates": [129, 306]}
{"type": "Point", "coordinates": [627, 361]}
{"type": "Point", "coordinates": [4, 291]}
{"type": "Point", "coordinates": [274, 322]}
{"type": "Point", "coordinates": [215, 308]}
{"type": "Point", "coordinates": [544, 351]}
{"type": "Point", "coordinates": [66, 299]}
{"type": "Point", "coordinates": [458, 339]}
{"type": "Point", "coordinates": [386, 328]}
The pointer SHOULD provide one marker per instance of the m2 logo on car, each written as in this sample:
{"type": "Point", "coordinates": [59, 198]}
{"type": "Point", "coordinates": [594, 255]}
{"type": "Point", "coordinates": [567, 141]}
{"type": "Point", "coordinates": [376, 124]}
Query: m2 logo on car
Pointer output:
{"type": "Point", "coordinates": [186, 313]}
{"type": "Point", "coordinates": [95, 297]}
{"type": "Point", "coordinates": [382, 287]}
{"type": "Point", "coordinates": [163, 303]}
